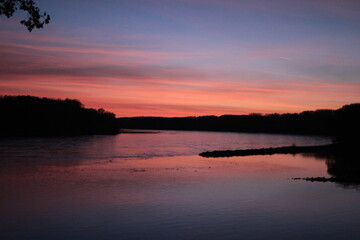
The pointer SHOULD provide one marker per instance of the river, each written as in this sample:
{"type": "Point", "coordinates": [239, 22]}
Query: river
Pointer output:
{"type": "Point", "coordinates": [155, 186]}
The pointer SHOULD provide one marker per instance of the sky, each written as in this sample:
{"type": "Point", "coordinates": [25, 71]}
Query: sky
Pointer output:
{"type": "Point", "coordinates": [187, 57]}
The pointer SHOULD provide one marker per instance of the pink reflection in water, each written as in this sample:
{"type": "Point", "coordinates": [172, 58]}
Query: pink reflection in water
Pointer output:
{"type": "Point", "coordinates": [183, 197]}
{"type": "Point", "coordinates": [49, 191]}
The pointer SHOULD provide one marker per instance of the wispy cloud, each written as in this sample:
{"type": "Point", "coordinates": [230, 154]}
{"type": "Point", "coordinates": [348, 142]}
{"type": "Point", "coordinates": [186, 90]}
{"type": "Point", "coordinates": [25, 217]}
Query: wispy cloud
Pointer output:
{"type": "Point", "coordinates": [200, 57]}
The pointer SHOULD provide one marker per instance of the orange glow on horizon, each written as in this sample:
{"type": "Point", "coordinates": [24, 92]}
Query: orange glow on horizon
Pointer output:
{"type": "Point", "coordinates": [150, 81]}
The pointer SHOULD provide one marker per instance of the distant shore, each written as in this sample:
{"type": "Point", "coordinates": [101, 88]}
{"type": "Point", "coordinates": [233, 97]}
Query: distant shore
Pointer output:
{"type": "Point", "coordinates": [137, 131]}
{"type": "Point", "coordinates": [340, 123]}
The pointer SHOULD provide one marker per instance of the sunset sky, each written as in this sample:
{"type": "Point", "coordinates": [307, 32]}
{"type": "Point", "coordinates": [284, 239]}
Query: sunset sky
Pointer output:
{"type": "Point", "coordinates": [187, 57]}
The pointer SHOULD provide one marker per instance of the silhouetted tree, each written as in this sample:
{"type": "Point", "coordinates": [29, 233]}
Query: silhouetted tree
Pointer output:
{"type": "Point", "coordinates": [35, 19]}
{"type": "Point", "coordinates": [33, 116]}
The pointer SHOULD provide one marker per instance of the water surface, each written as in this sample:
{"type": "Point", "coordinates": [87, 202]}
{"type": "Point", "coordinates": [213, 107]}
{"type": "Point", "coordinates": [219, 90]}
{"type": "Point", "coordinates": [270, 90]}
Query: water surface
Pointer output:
{"type": "Point", "coordinates": [154, 186]}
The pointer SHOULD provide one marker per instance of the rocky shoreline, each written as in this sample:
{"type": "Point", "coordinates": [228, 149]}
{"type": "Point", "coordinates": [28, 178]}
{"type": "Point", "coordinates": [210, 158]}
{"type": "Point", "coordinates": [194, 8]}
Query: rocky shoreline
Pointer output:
{"type": "Point", "coordinates": [268, 151]}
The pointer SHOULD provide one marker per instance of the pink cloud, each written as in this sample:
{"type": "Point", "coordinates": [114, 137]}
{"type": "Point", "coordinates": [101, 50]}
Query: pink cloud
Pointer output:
{"type": "Point", "coordinates": [153, 82]}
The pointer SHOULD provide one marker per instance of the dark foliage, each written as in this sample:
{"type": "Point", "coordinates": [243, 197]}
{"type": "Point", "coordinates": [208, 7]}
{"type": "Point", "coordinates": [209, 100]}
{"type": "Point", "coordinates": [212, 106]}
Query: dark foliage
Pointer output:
{"type": "Point", "coordinates": [35, 18]}
{"type": "Point", "coordinates": [33, 116]}
{"type": "Point", "coordinates": [342, 161]}
{"type": "Point", "coordinates": [343, 123]}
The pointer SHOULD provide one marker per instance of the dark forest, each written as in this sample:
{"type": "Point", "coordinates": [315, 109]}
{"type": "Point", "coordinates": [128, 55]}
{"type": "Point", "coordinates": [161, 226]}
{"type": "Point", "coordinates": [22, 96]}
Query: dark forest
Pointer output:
{"type": "Point", "coordinates": [342, 123]}
{"type": "Point", "coordinates": [33, 116]}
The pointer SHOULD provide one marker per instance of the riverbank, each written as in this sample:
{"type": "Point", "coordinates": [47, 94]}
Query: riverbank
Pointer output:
{"type": "Point", "coordinates": [341, 159]}
{"type": "Point", "coordinates": [269, 151]}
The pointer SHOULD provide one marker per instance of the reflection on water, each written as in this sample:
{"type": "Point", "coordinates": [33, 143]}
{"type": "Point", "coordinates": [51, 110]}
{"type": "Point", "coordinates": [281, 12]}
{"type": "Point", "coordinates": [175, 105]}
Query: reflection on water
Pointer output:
{"type": "Point", "coordinates": [134, 146]}
{"type": "Point", "coordinates": [103, 188]}
{"type": "Point", "coordinates": [343, 164]}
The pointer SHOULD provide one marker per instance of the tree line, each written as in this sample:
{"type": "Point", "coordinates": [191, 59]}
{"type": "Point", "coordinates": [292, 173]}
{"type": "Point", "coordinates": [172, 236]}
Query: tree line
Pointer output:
{"type": "Point", "coordinates": [343, 122]}
{"type": "Point", "coordinates": [33, 116]}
